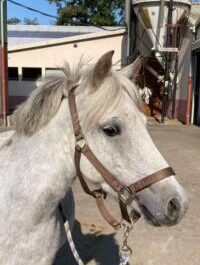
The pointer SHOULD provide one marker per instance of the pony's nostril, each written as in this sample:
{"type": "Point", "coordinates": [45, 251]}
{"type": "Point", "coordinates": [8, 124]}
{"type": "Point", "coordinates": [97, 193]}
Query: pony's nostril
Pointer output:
{"type": "Point", "coordinates": [173, 209]}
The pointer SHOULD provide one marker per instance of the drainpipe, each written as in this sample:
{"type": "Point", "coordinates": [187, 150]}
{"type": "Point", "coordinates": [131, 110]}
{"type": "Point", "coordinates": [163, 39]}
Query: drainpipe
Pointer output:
{"type": "Point", "coordinates": [168, 57]}
{"type": "Point", "coordinates": [3, 51]}
{"type": "Point", "coordinates": [131, 24]}
{"type": "Point", "coordinates": [189, 96]}
{"type": "Point", "coordinates": [128, 26]}
{"type": "Point", "coordinates": [194, 73]}
{"type": "Point", "coordinates": [160, 25]}
{"type": "Point", "coordinates": [189, 100]}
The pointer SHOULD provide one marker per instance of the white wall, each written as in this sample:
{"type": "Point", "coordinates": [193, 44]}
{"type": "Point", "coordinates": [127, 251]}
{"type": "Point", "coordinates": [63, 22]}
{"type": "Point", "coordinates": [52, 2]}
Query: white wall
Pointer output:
{"type": "Point", "coordinates": [55, 56]}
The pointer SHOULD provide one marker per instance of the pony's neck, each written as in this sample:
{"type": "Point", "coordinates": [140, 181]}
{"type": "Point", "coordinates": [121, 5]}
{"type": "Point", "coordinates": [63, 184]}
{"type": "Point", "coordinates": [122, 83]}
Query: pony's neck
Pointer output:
{"type": "Point", "coordinates": [52, 149]}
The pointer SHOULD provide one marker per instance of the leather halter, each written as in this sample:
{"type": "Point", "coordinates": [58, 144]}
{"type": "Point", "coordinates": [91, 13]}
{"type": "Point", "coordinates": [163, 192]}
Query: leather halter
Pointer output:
{"type": "Point", "coordinates": [126, 193]}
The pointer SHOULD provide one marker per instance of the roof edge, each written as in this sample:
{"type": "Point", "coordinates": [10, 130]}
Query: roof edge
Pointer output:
{"type": "Point", "coordinates": [65, 40]}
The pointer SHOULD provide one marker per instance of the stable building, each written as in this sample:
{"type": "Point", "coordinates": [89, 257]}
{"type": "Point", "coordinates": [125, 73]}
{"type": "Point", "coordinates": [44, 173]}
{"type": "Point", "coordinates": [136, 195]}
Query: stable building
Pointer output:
{"type": "Point", "coordinates": [37, 51]}
{"type": "Point", "coordinates": [40, 51]}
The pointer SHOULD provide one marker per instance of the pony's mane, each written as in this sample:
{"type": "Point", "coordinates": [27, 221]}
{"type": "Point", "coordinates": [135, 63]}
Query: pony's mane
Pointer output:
{"type": "Point", "coordinates": [45, 100]}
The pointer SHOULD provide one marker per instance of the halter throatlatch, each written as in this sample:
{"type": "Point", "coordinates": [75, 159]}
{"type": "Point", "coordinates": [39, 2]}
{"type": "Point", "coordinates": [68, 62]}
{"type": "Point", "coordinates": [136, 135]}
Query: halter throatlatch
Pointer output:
{"type": "Point", "coordinates": [126, 193]}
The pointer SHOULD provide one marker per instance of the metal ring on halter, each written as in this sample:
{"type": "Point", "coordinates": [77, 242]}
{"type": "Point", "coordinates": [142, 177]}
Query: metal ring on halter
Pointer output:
{"type": "Point", "coordinates": [126, 196]}
{"type": "Point", "coordinates": [134, 216]}
{"type": "Point", "coordinates": [80, 142]}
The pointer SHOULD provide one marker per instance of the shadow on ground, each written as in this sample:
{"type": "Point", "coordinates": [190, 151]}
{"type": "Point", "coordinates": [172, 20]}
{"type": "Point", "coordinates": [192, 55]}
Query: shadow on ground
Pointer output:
{"type": "Point", "coordinates": [96, 246]}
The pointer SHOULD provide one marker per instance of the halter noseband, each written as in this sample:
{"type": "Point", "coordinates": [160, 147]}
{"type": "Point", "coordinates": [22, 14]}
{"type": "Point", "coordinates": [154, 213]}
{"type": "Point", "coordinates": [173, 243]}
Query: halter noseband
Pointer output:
{"type": "Point", "coordinates": [126, 193]}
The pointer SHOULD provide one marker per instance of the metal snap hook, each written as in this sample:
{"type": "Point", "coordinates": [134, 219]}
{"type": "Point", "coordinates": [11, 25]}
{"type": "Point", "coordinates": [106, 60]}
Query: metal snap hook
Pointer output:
{"type": "Point", "coordinates": [124, 256]}
{"type": "Point", "coordinates": [125, 251]}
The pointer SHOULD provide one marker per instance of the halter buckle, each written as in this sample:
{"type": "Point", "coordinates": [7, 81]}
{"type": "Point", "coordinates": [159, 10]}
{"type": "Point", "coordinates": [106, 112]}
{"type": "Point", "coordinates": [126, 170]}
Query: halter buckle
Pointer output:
{"type": "Point", "coordinates": [80, 141]}
{"type": "Point", "coordinates": [126, 196]}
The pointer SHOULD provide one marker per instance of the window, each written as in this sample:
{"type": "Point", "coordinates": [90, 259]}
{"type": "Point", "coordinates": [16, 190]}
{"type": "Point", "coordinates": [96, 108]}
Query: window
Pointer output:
{"type": "Point", "coordinates": [54, 72]}
{"type": "Point", "coordinates": [31, 73]}
{"type": "Point", "coordinates": [12, 73]}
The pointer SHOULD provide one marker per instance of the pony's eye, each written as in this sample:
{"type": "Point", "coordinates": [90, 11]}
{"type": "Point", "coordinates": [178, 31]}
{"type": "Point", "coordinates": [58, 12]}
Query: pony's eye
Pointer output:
{"type": "Point", "coordinates": [112, 131]}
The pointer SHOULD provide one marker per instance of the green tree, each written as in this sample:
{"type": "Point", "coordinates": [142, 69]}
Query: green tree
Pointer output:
{"type": "Point", "coordinates": [13, 21]}
{"type": "Point", "coordinates": [89, 12]}
{"type": "Point", "coordinates": [30, 21]}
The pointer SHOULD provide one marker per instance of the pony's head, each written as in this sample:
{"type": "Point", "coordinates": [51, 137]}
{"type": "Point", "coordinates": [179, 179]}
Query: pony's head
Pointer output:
{"type": "Point", "coordinates": [115, 129]}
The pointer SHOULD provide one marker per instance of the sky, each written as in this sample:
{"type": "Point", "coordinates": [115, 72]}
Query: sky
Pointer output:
{"type": "Point", "coordinates": [42, 5]}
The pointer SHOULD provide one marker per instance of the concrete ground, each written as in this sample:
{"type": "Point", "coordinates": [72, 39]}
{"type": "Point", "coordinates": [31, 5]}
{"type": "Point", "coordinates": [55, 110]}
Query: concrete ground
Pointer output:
{"type": "Point", "coordinates": [98, 243]}
{"type": "Point", "coordinates": [179, 245]}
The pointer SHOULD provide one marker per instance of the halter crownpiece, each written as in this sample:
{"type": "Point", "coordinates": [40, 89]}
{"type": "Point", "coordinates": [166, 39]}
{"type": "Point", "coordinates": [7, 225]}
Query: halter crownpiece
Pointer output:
{"type": "Point", "coordinates": [126, 193]}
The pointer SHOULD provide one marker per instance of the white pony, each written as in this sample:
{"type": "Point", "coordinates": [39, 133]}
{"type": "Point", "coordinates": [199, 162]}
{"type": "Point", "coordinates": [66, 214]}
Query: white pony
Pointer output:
{"type": "Point", "coordinates": [37, 165]}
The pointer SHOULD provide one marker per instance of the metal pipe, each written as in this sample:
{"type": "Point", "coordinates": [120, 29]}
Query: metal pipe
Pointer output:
{"type": "Point", "coordinates": [160, 23]}
{"type": "Point", "coordinates": [194, 65]}
{"type": "Point", "coordinates": [167, 63]}
{"type": "Point", "coordinates": [4, 86]}
{"type": "Point", "coordinates": [193, 70]}
{"type": "Point", "coordinates": [174, 88]}
{"type": "Point", "coordinates": [4, 60]}
{"type": "Point", "coordinates": [189, 98]}
{"type": "Point", "coordinates": [128, 21]}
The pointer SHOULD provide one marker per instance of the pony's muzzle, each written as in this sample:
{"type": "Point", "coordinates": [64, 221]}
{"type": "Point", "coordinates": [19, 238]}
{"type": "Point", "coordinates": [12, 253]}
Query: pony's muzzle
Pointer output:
{"type": "Point", "coordinates": [167, 210]}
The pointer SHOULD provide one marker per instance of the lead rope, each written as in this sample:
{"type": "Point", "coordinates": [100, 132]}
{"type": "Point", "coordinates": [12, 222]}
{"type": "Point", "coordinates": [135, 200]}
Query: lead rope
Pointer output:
{"type": "Point", "coordinates": [124, 253]}
{"type": "Point", "coordinates": [72, 245]}
{"type": "Point", "coordinates": [125, 250]}
{"type": "Point", "coordinates": [69, 236]}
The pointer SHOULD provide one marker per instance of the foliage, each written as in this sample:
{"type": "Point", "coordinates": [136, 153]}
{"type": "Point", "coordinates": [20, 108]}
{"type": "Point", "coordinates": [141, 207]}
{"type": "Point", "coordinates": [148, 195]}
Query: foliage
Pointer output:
{"type": "Point", "coordinates": [89, 12]}
{"type": "Point", "coordinates": [26, 21]}
{"type": "Point", "coordinates": [13, 21]}
{"type": "Point", "coordinates": [30, 21]}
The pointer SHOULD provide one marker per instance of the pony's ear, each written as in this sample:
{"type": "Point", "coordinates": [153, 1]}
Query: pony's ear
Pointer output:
{"type": "Point", "coordinates": [133, 71]}
{"type": "Point", "coordinates": [102, 69]}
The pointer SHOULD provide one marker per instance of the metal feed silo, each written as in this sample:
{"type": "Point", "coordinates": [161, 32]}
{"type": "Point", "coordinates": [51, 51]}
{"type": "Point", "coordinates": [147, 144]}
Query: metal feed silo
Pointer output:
{"type": "Point", "coordinates": [156, 29]}
{"type": "Point", "coordinates": [159, 18]}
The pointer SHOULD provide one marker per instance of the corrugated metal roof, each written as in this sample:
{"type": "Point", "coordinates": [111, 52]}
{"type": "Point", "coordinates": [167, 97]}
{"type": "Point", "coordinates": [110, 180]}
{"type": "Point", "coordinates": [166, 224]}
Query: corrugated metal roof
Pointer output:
{"type": "Point", "coordinates": [19, 34]}
{"type": "Point", "coordinates": [40, 34]}
{"type": "Point", "coordinates": [60, 41]}
{"type": "Point", "coordinates": [53, 28]}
